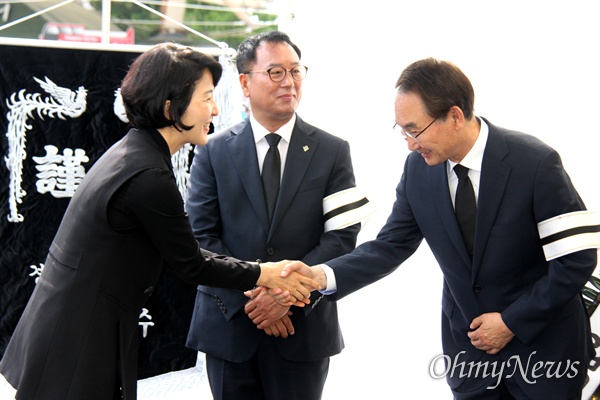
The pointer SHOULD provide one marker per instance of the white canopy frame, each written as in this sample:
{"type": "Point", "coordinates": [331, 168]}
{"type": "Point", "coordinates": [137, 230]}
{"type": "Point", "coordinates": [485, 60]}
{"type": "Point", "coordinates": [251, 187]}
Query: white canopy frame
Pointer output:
{"type": "Point", "coordinates": [220, 49]}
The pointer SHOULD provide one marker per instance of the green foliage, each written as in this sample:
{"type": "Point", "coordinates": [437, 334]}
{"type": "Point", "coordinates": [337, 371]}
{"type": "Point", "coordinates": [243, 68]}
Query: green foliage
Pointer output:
{"type": "Point", "coordinates": [227, 26]}
{"type": "Point", "coordinates": [215, 22]}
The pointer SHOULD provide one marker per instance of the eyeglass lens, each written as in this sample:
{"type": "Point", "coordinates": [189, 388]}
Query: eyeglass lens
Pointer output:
{"type": "Point", "coordinates": [278, 73]}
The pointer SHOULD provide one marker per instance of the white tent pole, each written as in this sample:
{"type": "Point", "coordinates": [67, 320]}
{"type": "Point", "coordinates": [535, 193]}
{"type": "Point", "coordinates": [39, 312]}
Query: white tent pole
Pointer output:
{"type": "Point", "coordinates": [106, 12]}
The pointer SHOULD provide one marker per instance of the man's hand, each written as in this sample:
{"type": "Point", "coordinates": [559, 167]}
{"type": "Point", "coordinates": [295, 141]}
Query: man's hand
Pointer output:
{"type": "Point", "coordinates": [489, 333]}
{"type": "Point", "coordinates": [268, 314]}
{"type": "Point", "coordinates": [262, 309]}
{"type": "Point", "coordinates": [316, 272]}
{"type": "Point", "coordinates": [293, 288]}
{"type": "Point", "coordinates": [282, 327]}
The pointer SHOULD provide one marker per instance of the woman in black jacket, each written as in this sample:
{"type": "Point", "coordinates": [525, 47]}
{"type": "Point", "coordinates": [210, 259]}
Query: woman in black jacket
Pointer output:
{"type": "Point", "coordinates": [77, 338]}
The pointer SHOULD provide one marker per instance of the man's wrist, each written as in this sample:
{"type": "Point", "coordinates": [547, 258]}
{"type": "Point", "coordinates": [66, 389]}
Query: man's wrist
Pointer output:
{"type": "Point", "coordinates": [326, 279]}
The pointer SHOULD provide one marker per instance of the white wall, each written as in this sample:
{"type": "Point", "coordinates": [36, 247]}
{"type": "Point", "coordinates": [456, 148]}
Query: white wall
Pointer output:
{"type": "Point", "coordinates": [535, 67]}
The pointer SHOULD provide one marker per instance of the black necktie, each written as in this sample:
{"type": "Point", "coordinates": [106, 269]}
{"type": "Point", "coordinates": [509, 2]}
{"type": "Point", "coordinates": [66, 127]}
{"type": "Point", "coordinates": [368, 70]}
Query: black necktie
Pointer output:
{"type": "Point", "coordinates": [465, 206]}
{"type": "Point", "coordinates": [271, 173]}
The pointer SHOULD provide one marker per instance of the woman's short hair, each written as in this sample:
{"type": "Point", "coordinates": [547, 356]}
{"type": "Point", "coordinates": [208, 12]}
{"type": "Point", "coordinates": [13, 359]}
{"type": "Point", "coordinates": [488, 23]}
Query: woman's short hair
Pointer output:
{"type": "Point", "coordinates": [167, 71]}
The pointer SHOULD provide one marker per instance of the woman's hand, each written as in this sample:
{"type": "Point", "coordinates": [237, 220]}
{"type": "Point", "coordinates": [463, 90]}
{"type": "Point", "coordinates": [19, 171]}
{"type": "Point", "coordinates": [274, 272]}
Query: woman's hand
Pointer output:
{"type": "Point", "coordinates": [294, 289]}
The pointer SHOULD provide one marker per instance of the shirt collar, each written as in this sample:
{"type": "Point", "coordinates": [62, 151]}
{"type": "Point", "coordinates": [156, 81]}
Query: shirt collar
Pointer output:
{"type": "Point", "coordinates": [260, 131]}
{"type": "Point", "coordinates": [474, 157]}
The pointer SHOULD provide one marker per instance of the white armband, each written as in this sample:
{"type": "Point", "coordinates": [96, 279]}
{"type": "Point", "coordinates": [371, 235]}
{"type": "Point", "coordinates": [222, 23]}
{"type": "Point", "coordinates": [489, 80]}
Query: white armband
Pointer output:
{"type": "Point", "coordinates": [568, 233]}
{"type": "Point", "coordinates": [345, 208]}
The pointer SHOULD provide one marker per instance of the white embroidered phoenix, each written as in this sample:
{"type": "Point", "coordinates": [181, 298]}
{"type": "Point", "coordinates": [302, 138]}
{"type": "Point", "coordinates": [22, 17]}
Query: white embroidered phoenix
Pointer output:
{"type": "Point", "coordinates": [63, 103]}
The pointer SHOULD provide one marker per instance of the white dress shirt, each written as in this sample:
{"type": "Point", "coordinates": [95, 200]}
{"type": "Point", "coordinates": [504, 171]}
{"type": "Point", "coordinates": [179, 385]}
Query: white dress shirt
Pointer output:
{"type": "Point", "coordinates": [472, 160]}
{"type": "Point", "coordinates": [262, 146]}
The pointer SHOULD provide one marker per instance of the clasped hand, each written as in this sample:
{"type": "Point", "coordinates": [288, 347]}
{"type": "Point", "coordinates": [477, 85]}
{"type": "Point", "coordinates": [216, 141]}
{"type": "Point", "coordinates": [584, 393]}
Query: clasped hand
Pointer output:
{"type": "Point", "coordinates": [267, 314]}
{"type": "Point", "coordinates": [489, 333]}
{"type": "Point", "coordinates": [291, 288]}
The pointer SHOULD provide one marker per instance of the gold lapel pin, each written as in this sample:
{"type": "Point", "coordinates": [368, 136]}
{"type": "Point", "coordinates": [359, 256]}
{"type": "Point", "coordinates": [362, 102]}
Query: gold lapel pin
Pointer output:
{"type": "Point", "coordinates": [305, 148]}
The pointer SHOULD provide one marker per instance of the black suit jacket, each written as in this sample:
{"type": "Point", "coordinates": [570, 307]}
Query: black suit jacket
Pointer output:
{"type": "Point", "coordinates": [77, 338]}
{"type": "Point", "coordinates": [228, 214]}
{"type": "Point", "coordinates": [522, 184]}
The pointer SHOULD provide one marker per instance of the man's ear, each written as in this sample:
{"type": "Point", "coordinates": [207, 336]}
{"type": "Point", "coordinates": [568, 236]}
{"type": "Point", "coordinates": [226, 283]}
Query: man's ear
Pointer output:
{"type": "Point", "coordinates": [458, 118]}
{"type": "Point", "coordinates": [245, 83]}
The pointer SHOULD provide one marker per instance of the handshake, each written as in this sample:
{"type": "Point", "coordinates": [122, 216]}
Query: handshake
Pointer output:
{"type": "Point", "coordinates": [290, 282]}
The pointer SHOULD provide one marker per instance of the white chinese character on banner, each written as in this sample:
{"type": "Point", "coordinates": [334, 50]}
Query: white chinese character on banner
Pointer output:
{"type": "Point", "coordinates": [145, 324]}
{"type": "Point", "coordinates": [37, 271]}
{"type": "Point", "coordinates": [60, 174]}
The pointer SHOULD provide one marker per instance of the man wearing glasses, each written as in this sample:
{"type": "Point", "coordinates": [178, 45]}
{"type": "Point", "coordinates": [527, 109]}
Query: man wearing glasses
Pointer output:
{"type": "Point", "coordinates": [509, 231]}
{"type": "Point", "coordinates": [309, 210]}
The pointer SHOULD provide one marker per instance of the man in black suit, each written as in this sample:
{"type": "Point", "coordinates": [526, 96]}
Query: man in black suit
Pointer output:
{"type": "Point", "coordinates": [314, 217]}
{"type": "Point", "coordinates": [514, 324]}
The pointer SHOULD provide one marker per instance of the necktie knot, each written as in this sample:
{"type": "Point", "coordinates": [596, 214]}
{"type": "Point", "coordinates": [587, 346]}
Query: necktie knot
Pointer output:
{"type": "Point", "coordinates": [273, 139]}
{"type": "Point", "coordinates": [461, 171]}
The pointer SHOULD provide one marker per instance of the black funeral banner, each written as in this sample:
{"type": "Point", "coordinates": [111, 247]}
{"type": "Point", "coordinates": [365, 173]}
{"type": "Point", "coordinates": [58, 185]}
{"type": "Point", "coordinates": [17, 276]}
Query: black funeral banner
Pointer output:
{"type": "Point", "coordinates": [58, 115]}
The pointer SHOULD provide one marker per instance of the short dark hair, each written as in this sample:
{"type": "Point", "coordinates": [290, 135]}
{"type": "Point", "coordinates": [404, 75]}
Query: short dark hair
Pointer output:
{"type": "Point", "coordinates": [246, 52]}
{"type": "Point", "coordinates": [167, 71]}
{"type": "Point", "coordinates": [440, 85]}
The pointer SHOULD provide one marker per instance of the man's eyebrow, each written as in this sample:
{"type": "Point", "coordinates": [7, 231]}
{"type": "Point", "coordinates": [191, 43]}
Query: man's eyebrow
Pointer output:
{"type": "Point", "coordinates": [295, 64]}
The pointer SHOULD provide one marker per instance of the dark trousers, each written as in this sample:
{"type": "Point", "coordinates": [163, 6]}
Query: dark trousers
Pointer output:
{"type": "Point", "coordinates": [506, 390]}
{"type": "Point", "coordinates": [266, 376]}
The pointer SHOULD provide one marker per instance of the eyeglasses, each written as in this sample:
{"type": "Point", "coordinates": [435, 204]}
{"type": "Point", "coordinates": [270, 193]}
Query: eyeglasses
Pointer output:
{"type": "Point", "coordinates": [413, 136]}
{"type": "Point", "coordinates": [277, 74]}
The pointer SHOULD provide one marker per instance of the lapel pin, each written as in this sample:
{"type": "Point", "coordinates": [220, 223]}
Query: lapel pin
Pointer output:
{"type": "Point", "coordinates": [305, 148]}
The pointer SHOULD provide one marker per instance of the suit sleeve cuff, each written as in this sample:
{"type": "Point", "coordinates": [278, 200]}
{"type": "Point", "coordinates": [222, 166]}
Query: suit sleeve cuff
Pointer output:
{"type": "Point", "coordinates": [331, 283]}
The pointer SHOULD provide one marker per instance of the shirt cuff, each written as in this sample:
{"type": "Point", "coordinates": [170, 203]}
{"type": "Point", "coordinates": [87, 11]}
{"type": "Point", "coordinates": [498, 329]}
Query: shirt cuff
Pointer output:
{"type": "Point", "coordinates": [331, 283]}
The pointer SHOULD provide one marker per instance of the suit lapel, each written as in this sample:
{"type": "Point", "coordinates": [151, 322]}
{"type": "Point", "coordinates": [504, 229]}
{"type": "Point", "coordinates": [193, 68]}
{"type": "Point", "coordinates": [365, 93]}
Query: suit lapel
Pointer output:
{"type": "Point", "coordinates": [300, 152]}
{"type": "Point", "coordinates": [438, 177]}
{"type": "Point", "coordinates": [438, 180]}
{"type": "Point", "coordinates": [243, 155]}
{"type": "Point", "coordinates": [494, 178]}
